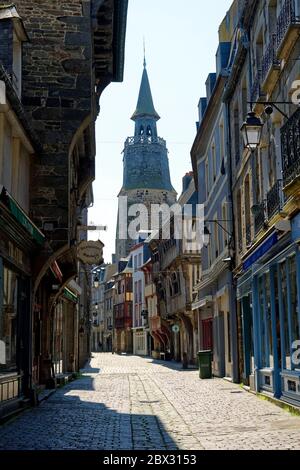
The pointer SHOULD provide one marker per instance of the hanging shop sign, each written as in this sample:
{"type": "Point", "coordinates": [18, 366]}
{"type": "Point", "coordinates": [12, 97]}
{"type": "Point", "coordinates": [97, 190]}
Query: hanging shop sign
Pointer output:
{"type": "Point", "coordinates": [90, 252]}
{"type": "Point", "coordinates": [175, 329]}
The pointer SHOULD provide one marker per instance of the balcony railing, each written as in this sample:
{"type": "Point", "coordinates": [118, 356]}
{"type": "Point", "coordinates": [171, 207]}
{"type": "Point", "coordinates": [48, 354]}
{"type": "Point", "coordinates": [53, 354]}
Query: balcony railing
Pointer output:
{"type": "Point", "coordinates": [275, 199]}
{"type": "Point", "coordinates": [290, 149]}
{"type": "Point", "coordinates": [288, 16]}
{"type": "Point", "coordinates": [144, 140]}
{"type": "Point", "coordinates": [259, 216]}
{"type": "Point", "coordinates": [270, 59]}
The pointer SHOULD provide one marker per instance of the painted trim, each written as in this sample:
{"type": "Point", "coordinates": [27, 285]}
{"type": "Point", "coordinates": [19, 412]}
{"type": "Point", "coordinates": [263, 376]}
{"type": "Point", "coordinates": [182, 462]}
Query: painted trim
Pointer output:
{"type": "Point", "coordinates": [277, 381]}
{"type": "Point", "coordinates": [289, 304]}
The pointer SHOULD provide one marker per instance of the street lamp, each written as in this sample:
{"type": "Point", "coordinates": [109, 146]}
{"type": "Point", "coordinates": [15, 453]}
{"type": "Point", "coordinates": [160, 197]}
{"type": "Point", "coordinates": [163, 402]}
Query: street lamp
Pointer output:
{"type": "Point", "coordinates": [96, 282]}
{"type": "Point", "coordinates": [252, 131]}
{"type": "Point", "coordinates": [207, 233]}
{"type": "Point", "coordinates": [252, 127]}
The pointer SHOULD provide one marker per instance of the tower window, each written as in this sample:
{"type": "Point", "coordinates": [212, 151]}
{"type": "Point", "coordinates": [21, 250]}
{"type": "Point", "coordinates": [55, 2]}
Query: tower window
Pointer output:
{"type": "Point", "coordinates": [149, 131]}
{"type": "Point", "coordinates": [142, 130]}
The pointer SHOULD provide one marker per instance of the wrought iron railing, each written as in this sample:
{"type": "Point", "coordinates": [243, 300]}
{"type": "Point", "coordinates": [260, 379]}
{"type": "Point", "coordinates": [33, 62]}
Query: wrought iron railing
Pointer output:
{"type": "Point", "coordinates": [259, 216]}
{"type": "Point", "coordinates": [269, 59]}
{"type": "Point", "coordinates": [275, 199]}
{"type": "Point", "coordinates": [287, 17]}
{"type": "Point", "coordinates": [145, 140]}
{"type": "Point", "coordinates": [290, 149]}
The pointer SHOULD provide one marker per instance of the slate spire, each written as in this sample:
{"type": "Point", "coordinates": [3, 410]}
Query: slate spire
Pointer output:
{"type": "Point", "coordinates": [145, 106]}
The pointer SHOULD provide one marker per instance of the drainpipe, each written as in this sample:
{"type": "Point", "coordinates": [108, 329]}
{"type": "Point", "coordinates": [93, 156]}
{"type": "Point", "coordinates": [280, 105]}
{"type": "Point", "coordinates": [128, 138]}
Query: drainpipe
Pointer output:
{"type": "Point", "coordinates": [232, 292]}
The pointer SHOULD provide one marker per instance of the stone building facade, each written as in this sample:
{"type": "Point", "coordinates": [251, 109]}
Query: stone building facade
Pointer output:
{"type": "Point", "coordinates": [175, 263]}
{"type": "Point", "coordinates": [59, 60]}
{"type": "Point", "coordinates": [212, 167]}
{"type": "Point", "coordinates": [266, 191]}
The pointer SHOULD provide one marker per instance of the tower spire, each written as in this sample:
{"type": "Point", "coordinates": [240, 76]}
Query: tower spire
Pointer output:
{"type": "Point", "coordinates": [145, 106]}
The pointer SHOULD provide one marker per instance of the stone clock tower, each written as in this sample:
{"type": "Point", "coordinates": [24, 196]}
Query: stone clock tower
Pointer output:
{"type": "Point", "coordinates": [146, 174]}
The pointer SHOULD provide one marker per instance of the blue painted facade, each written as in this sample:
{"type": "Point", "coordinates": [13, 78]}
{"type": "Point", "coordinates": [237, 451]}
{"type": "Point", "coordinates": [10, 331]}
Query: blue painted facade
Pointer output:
{"type": "Point", "coordinates": [265, 196]}
{"type": "Point", "coordinates": [269, 294]}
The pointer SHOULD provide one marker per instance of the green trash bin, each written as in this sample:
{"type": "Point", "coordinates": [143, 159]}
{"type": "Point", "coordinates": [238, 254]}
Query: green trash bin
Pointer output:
{"type": "Point", "coordinates": [204, 360]}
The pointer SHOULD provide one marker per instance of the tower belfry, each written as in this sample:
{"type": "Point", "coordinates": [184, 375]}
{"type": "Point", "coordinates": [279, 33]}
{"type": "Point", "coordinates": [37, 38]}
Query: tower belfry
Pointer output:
{"type": "Point", "coordinates": [146, 174]}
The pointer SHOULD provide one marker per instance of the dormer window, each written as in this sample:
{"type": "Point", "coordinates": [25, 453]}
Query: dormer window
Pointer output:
{"type": "Point", "coordinates": [12, 34]}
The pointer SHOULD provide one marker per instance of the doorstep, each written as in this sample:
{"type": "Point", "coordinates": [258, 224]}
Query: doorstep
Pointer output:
{"type": "Point", "coordinates": [278, 402]}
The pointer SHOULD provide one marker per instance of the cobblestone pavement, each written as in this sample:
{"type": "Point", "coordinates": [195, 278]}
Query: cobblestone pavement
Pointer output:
{"type": "Point", "coordinates": [136, 403]}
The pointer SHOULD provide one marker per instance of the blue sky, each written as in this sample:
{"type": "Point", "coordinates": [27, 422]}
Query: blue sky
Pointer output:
{"type": "Point", "coordinates": [181, 41]}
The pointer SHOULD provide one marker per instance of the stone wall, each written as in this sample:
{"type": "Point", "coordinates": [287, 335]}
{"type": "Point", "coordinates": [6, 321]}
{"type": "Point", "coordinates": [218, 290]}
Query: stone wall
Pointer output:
{"type": "Point", "coordinates": [58, 94]}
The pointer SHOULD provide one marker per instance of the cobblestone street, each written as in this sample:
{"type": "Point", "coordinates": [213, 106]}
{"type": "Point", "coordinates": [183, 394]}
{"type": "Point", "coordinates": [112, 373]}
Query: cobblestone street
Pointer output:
{"type": "Point", "coordinates": [136, 403]}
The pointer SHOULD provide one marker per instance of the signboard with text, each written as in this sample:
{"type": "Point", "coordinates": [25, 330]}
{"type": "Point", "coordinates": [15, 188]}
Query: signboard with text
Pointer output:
{"type": "Point", "coordinates": [90, 252]}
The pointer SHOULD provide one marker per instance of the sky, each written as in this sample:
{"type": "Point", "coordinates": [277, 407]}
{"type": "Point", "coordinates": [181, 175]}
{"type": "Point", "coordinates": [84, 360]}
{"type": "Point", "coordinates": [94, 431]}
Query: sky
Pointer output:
{"type": "Point", "coordinates": [181, 40]}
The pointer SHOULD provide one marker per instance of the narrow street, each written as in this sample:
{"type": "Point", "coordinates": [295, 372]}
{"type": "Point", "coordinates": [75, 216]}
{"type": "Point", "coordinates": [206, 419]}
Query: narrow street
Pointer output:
{"type": "Point", "coordinates": [127, 402]}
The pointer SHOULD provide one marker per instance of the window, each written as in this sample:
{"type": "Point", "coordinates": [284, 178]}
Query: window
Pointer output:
{"type": "Point", "coordinates": [214, 163]}
{"type": "Point", "coordinates": [284, 286]}
{"type": "Point", "coordinates": [175, 283]}
{"type": "Point", "coordinates": [228, 337]}
{"type": "Point", "coordinates": [295, 330]}
{"type": "Point", "coordinates": [9, 318]}
{"type": "Point", "coordinates": [224, 224]}
{"type": "Point", "coordinates": [207, 178]}
{"type": "Point", "coordinates": [216, 237]}
{"type": "Point", "coordinates": [136, 292]}
{"type": "Point", "coordinates": [247, 205]}
{"type": "Point", "coordinates": [262, 323]}
{"type": "Point", "coordinates": [239, 220]}
{"type": "Point", "coordinates": [237, 134]}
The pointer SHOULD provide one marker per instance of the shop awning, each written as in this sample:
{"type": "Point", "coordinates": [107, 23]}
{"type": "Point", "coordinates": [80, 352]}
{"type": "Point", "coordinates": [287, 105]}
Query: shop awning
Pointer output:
{"type": "Point", "coordinates": [202, 303]}
{"type": "Point", "coordinates": [21, 216]}
{"type": "Point", "coordinates": [68, 294]}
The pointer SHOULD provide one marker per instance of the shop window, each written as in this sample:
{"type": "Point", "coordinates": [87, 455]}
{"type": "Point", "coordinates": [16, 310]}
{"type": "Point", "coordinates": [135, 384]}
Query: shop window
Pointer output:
{"type": "Point", "coordinates": [295, 331]}
{"type": "Point", "coordinates": [263, 323]}
{"type": "Point", "coordinates": [284, 288]}
{"type": "Point", "coordinates": [8, 319]}
{"type": "Point", "coordinates": [228, 336]}
{"type": "Point", "coordinates": [277, 319]}
{"type": "Point", "coordinates": [269, 347]}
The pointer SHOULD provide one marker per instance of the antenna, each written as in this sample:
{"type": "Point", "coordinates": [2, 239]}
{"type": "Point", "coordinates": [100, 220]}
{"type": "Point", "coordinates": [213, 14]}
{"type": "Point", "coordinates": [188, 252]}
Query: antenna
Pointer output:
{"type": "Point", "coordinates": [144, 51]}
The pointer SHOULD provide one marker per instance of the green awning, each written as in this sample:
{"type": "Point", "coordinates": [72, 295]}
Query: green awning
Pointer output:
{"type": "Point", "coordinates": [69, 295]}
{"type": "Point", "coordinates": [23, 218]}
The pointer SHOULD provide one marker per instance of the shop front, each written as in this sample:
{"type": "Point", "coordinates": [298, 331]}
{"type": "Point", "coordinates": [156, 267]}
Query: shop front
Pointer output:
{"type": "Point", "coordinates": [269, 295]}
{"type": "Point", "coordinates": [19, 242]}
